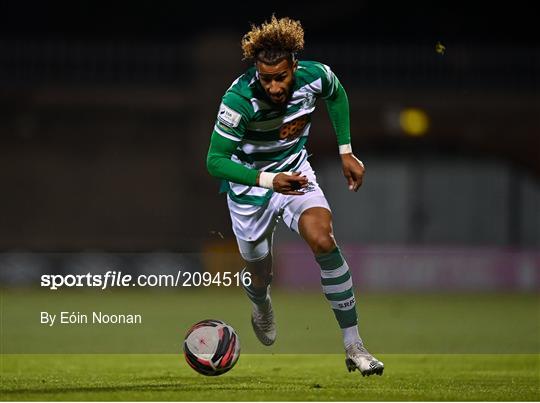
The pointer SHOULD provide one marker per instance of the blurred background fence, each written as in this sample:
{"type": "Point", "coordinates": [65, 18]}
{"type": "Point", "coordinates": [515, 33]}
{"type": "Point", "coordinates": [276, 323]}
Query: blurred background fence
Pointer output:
{"type": "Point", "coordinates": [103, 143]}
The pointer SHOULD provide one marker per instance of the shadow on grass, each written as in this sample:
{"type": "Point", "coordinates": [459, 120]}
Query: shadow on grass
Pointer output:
{"type": "Point", "coordinates": [171, 385]}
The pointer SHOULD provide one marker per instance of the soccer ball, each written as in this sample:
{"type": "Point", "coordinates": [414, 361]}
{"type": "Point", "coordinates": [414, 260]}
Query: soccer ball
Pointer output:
{"type": "Point", "coordinates": [211, 347]}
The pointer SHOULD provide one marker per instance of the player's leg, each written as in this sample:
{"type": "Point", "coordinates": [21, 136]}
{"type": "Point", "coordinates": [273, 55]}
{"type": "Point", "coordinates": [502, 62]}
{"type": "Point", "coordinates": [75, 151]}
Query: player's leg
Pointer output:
{"type": "Point", "coordinates": [258, 264]}
{"type": "Point", "coordinates": [258, 259]}
{"type": "Point", "coordinates": [315, 226]}
{"type": "Point", "coordinates": [310, 216]}
{"type": "Point", "coordinates": [257, 256]}
{"type": "Point", "coordinates": [253, 227]}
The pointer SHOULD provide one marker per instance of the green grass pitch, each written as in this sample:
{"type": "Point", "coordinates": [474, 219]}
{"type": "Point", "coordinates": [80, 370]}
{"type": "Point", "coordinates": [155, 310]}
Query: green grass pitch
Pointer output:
{"type": "Point", "coordinates": [435, 347]}
{"type": "Point", "coordinates": [270, 377]}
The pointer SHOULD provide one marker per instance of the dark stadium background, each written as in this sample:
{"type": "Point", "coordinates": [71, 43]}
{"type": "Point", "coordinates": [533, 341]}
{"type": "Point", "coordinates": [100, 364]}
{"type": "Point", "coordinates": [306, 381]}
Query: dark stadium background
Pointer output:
{"type": "Point", "coordinates": [106, 111]}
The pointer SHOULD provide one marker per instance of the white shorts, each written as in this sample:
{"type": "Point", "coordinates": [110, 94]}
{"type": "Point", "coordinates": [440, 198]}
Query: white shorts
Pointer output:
{"type": "Point", "coordinates": [254, 226]}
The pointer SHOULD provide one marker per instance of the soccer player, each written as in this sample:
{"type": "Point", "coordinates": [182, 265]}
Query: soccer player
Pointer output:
{"type": "Point", "coordinates": [258, 148]}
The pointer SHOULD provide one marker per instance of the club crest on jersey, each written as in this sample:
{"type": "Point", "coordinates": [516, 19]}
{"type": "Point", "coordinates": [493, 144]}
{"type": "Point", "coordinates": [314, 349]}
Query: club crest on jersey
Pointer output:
{"type": "Point", "coordinates": [309, 101]}
{"type": "Point", "coordinates": [228, 116]}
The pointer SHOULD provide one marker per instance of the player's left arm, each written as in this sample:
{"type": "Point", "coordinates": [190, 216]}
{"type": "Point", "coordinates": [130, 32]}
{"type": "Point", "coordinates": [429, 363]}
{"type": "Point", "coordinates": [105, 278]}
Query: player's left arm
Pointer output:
{"type": "Point", "coordinates": [337, 104]}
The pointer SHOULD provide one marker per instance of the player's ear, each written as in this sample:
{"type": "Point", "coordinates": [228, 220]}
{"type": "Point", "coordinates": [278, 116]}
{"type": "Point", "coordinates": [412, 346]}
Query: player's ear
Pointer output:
{"type": "Point", "coordinates": [295, 65]}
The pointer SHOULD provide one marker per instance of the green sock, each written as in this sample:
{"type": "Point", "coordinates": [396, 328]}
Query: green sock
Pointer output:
{"type": "Point", "coordinates": [337, 287]}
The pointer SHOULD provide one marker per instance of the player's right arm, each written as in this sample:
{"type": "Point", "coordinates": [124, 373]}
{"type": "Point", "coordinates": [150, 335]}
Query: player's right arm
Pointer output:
{"type": "Point", "coordinates": [228, 132]}
{"type": "Point", "coordinates": [231, 122]}
{"type": "Point", "coordinates": [219, 164]}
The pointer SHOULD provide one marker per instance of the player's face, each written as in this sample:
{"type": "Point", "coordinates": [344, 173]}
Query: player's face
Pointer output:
{"type": "Point", "coordinates": [277, 80]}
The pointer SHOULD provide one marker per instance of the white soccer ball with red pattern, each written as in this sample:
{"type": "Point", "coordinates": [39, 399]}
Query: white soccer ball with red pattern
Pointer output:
{"type": "Point", "coordinates": [211, 347]}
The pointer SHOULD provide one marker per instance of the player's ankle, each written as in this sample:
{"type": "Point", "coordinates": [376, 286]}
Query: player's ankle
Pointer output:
{"type": "Point", "coordinates": [351, 336]}
{"type": "Point", "coordinates": [261, 304]}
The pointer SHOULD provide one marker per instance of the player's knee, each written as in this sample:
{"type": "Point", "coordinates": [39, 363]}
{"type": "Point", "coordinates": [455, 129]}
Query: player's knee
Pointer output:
{"type": "Point", "coordinates": [323, 242]}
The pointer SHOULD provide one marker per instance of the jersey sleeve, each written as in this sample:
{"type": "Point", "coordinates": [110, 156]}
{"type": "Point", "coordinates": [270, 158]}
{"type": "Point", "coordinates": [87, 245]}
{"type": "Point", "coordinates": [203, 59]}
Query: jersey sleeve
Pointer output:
{"type": "Point", "coordinates": [337, 103]}
{"type": "Point", "coordinates": [220, 165]}
{"type": "Point", "coordinates": [329, 81]}
{"type": "Point", "coordinates": [233, 116]}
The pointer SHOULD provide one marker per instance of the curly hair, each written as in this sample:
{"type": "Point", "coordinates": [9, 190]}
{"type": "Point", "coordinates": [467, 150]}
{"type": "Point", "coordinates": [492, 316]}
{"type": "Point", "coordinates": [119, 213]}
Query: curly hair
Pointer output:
{"type": "Point", "coordinates": [273, 41]}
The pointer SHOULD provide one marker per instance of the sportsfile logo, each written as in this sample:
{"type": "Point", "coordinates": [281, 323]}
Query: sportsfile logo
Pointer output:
{"type": "Point", "coordinates": [118, 279]}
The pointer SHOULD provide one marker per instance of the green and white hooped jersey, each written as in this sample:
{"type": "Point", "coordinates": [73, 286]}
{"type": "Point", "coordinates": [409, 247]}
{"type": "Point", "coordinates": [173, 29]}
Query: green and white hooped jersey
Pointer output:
{"type": "Point", "coordinates": [271, 138]}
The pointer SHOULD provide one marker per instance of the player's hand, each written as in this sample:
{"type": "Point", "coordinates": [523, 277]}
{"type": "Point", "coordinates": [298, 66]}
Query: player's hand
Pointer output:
{"type": "Point", "coordinates": [353, 170]}
{"type": "Point", "coordinates": [290, 184]}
